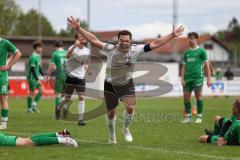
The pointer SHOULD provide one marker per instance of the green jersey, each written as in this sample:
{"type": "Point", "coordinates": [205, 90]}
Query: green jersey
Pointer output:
{"type": "Point", "coordinates": [59, 58]}
{"type": "Point", "coordinates": [233, 134]}
{"type": "Point", "coordinates": [34, 61]}
{"type": "Point", "coordinates": [5, 48]}
{"type": "Point", "coordinates": [193, 60]}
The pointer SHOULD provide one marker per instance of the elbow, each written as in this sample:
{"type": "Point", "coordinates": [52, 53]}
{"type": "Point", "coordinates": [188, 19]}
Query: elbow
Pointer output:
{"type": "Point", "coordinates": [19, 54]}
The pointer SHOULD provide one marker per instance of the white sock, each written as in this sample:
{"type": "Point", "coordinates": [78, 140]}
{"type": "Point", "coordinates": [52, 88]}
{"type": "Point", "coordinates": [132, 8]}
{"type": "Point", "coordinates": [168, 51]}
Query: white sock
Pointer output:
{"type": "Point", "coordinates": [62, 140]}
{"type": "Point", "coordinates": [111, 124]}
{"type": "Point", "coordinates": [4, 123]}
{"type": "Point", "coordinates": [81, 108]}
{"type": "Point", "coordinates": [199, 115]}
{"type": "Point", "coordinates": [127, 119]}
{"type": "Point", "coordinates": [189, 115]}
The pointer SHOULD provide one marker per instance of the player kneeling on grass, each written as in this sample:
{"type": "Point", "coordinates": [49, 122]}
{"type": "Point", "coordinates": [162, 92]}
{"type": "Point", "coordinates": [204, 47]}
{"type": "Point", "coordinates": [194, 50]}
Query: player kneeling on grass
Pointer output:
{"type": "Point", "coordinates": [62, 137]}
{"type": "Point", "coordinates": [226, 131]}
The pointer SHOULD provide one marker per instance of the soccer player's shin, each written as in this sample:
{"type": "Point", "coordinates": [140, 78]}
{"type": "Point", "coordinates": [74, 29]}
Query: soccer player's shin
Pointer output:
{"type": "Point", "coordinates": [29, 103]}
{"type": "Point", "coordinates": [57, 101]}
{"type": "Point", "coordinates": [199, 108]}
{"type": "Point", "coordinates": [4, 114]}
{"type": "Point", "coordinates": [127, 119]}
{"type": "Point", "coordinates": [81, 108]}
{"type": "Point", "coordinates": [45, 139]}
{"type": "Point", "coordinates": [187, 106]}
{"type": "Point", "coordinates": [38, 97]}
{"type": "Point", "coordinates": [111, 129]}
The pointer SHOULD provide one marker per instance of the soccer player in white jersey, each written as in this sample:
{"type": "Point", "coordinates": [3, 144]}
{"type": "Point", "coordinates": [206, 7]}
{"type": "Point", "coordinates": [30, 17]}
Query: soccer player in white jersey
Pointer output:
{"type": "Point", "coordinates": [76, 69]}
{"type": "Point", "coordinates": [118, 83]}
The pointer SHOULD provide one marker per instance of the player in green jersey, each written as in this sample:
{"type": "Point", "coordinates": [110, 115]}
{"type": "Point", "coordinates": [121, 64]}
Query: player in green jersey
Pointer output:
{"type": "Point", "coordinates": [192, 76]}
{"type": "Point", "coordinates": [57, 62]}
{"type": "Point", "coordinates": [62, 137]}
{"type": "Point", "coordinates": [6, 47]}
{"type": "Point", "coordinates": [226, 131]}
{"type": "Point", "coordinates": [34, 71]}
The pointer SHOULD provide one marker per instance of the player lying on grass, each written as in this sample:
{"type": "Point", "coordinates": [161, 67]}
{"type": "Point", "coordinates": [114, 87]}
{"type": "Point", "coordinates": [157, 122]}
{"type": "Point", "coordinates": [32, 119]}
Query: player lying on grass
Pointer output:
{"type": "Point", "coordinates": [226, 131]}
{"type": "Point", "coordinates": [62, 137]}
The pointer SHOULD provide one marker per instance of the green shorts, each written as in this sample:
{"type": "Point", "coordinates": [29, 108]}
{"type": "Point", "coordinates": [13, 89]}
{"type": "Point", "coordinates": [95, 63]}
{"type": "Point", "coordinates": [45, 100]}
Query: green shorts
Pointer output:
{"type": "Point", "coordinates": [33, 84]}
{"type": "Point", "coordinates": [3, 85]}
{"type": "Point", "coordinates": [6, 140]}
{"type": "Point", "coordinates": [194, 84]}
{"type": "Point", "coordinates": [59, 85]}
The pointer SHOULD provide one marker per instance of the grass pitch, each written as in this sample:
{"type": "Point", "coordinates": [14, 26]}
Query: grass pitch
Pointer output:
{"type": "Point", "coordinates": [157, 133]}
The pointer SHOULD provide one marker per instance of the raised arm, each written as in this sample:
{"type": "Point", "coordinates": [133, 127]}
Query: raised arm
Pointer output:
{"type": "Point", "coordinates": [73, 23]}
{"type": "Point", "coordinates": [163, 40]}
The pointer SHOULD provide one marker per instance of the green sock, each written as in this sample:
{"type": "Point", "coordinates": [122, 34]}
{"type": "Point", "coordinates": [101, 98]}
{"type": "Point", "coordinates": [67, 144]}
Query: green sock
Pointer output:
{"type": "Point", "coordinates": [51, 134]}
{"type": "Point", "coordinates": [4, 114]}
{"type": "Point", "coordinates": [45, 141]}
{"type": "Point", "coordinates": [187, 107]}
{"type": "Point", "coordinates": [199, 106]}
{"type": "Point", "coordinates": [57, 101]}
{"type": "Point", "coordinates": [38, 97]}
{"type": "Point", "coordinates": [216, 129]}
{"type": "Point", "coordinates": [29, 102]}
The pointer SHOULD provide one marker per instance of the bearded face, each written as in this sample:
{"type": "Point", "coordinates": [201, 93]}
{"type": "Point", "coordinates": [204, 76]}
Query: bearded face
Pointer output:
{"type": "Point", "coordinates": [124, 43]}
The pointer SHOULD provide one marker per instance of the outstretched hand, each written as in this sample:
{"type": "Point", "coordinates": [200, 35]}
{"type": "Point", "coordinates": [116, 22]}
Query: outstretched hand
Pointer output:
{"type": "Point", "coordinates": [73, 23]}
{"type": "Point", "coordinates": [177, 31]}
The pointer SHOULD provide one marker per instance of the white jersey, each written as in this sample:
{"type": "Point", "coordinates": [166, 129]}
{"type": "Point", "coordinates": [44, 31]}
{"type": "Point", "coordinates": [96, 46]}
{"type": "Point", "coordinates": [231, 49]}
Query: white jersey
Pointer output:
{"type": "Point", "coordinates": [75, 65]}
{"type": "Point", "coordinates": [119, 65]}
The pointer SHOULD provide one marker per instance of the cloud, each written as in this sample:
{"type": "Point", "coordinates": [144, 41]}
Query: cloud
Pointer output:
{"type": "Point", "coordinates": [209, 28]}
{"type": "Point", "coordinates": [150, 30]}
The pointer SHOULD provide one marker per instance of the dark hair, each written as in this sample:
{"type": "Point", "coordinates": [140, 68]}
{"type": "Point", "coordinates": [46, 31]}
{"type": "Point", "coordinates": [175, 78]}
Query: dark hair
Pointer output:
{"type": "Point", "coordinates": [193, 34]}
{"type": "Point", "coordinates": [37, 44]}
{"type": "Point", "coordinates": [125, 32]}
{"type": "Point", "coordinates": [237, 105]}
{"type": "Point", "coordinates": [58, 44]}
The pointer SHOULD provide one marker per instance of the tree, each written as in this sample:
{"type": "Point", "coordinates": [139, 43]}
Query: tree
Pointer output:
{"type": "Point", "coordinates": [28, 25]}
{"type": "Point", "coordinates": [9, 13]}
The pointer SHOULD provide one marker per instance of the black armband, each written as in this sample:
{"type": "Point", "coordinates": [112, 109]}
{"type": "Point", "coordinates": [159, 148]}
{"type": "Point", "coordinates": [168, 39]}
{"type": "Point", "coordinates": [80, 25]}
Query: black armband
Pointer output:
{"type": "Point", "coordinates": [225, 127]}
{"type": "Point", "coordinates": [147, 48]}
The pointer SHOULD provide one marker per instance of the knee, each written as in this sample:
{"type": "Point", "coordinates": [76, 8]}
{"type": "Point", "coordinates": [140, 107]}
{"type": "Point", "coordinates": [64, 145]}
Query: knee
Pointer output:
{"type": "Point", "coordinates": [111, 113]}
{"type": "Point", "coordinates": [130, 109]}
{"type": "Point", "coordinates": [216, 119]}
{"type": "Point", "coordinates": [187, 97]}
{"type": "Point", "coordinates": [81, 98]}
{"type": "Point", "coordinates": [203, 139]}
{"type": "Point", "coordinates": [198, 97]}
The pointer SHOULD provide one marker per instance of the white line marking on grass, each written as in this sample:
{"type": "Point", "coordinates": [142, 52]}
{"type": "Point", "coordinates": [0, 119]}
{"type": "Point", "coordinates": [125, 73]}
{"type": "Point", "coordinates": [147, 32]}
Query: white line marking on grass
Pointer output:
{"type": "Point", "coordinates": [159, 150]}
{"type": "Point", "coordinates": [143, 148]}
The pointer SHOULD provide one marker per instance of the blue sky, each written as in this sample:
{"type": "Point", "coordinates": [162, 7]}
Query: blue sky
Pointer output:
{"type": "Point", "coordinates": [144, 18]}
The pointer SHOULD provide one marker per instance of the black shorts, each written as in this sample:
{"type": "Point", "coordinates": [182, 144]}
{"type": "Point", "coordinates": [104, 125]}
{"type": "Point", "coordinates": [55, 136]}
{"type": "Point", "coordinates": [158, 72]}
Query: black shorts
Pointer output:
{"type": "Point", "coordinates": [114, 92]}
{"type": "Point", "coordinates": [74, 84]}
